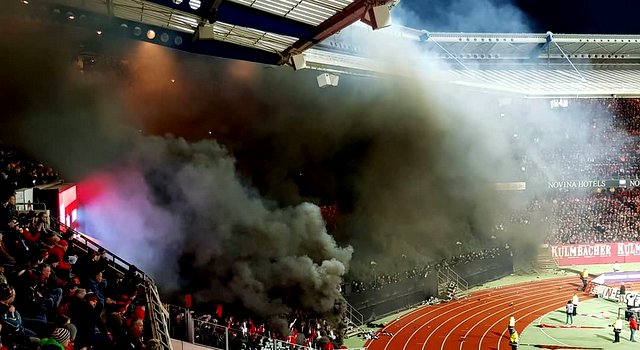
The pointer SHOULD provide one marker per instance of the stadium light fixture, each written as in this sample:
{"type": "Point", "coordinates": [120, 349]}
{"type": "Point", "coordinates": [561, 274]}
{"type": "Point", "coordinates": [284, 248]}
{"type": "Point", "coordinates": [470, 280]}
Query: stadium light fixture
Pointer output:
{"type": "Point", "coordinates": [424, 37]}
{"type": "Point", "coordinates": [549, 37]}
{"type": "Point", "coordinates": [326, 79]}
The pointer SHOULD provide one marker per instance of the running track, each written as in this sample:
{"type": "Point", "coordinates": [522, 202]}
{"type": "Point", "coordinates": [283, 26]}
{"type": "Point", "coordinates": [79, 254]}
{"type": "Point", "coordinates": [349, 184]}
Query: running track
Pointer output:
{"type": "Point", "coordinates": [479, 321]}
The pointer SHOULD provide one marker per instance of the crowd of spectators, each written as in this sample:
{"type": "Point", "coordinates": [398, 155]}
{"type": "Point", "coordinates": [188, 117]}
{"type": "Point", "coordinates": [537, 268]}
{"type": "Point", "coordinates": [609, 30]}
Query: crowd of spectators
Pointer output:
{"type": "Point", "coordinates": [18, 171]}
{"type": "Point", "coordinates": [379, 281]}
{"type": "Point", "coordinates": [572, 217]}
{"type": "Point", "coordinates": [598, 217]}
{"type": "Point", "coordinates": [603, 143]}
{"type": "Point", "coordinates": [591, 139]}
{"type": "Point", "coordinates": [53, 291]}
{"type": "Point", "coordinates": [54, 295]}
{"type": "Point", "coordinates": [216, 329]}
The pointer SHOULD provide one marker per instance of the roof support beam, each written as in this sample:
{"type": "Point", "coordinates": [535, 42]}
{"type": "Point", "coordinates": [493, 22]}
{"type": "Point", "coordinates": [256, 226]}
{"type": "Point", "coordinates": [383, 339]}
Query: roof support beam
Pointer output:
{"type": "Point", "coordinates": [538, 50]}
{"type": "Point", "coordinates": [234, 13]}
{"type": "Point", "coordinates": [349, 15]}
{"type": "Point", "coordinates": [110, 7]}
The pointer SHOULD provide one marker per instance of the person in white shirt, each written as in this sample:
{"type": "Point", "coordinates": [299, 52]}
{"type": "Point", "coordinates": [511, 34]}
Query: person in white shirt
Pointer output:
{"type": "Point", "coordinates": [569, 308]}
{"type": "Point", "coordinates": [616, 267]}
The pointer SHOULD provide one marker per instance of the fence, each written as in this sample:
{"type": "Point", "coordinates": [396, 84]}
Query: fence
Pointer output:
{"type": "Point", "coordinates": [391, 298]}
{"type": "Point", "coordinates": [184, 327]}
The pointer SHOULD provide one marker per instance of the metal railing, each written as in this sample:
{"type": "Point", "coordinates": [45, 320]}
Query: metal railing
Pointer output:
{"type": "Point", "coordinates": [158, 316]}
{"type": "Point", "coordinates": [446, 275]}
{"type": "Point", "coordinates": [355, 320]}
{"type": "Point", "coordinates": [184, 327]}
{"type": "Point", "coordinates": [26, 207]}
{"type": "Point", "coordinates": [354, 315]}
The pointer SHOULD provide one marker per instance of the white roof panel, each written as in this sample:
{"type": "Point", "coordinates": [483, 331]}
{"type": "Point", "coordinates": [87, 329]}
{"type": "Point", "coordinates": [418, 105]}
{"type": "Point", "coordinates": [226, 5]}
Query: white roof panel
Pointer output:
{"type": "Point", "coordinates": [311, 12]}
{"type": "Point", "coordinates": [532, 81]}
{"type": "Point", "coordinates": [249, 37]}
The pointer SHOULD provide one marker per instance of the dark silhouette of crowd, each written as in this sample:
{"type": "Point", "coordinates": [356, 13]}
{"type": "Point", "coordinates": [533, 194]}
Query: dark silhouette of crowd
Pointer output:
{"type": "Point", "coordinates": [216, 329]}
{"type": "Point", "coordinates": [18, 171]}
{"type": "Point", "coordinates": [380, 280]}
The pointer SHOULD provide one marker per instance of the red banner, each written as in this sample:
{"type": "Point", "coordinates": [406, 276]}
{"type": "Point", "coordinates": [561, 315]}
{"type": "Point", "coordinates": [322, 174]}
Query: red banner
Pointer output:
{"type": "Point", "coordinates": [596, 253]}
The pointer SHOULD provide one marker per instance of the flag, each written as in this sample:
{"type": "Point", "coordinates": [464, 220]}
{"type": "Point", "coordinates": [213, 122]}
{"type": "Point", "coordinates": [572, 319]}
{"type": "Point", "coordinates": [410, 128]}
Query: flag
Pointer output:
{"type": "Point", "coordinates": [188, 301]}
{"type": "Point", "coordinates": [252, 327]}
{"type": "Point", "coordinates": [313, 334]}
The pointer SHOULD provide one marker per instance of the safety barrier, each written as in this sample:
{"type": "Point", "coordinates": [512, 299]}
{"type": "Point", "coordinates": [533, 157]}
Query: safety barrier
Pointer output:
{"type": "Point", "coordinates": [184, 327]}
{"type": "Point", "coordinates": [446, 276]}
{"type": "Point", "coordinates": [354, 315]}
{"type": "Point", "coordinates": [158, 316]}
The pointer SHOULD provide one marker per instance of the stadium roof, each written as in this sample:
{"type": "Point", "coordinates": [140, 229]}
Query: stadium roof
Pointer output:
{"type": "Point", "coordinates": [263, 31]}
{"type": "Point", "coordinates": [276, 31]}
{"type": "Point", "coordinates": [525, 64]}
{"type": "Point", "coordinates": [492, 48]}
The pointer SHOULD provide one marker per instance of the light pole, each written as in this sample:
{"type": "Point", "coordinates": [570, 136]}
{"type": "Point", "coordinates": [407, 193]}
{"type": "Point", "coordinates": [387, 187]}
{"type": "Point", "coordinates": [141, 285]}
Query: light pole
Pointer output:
{"type": "Point", "coordinates": [373, 271]}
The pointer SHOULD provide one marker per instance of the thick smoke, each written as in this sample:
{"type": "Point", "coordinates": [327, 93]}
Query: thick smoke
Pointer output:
{"type": "Point", "coordinates": [409, 162]}
{"type": "Point", "coordinates": [186, 199]}
{"type": "Point", "coordinates": [178, 209]}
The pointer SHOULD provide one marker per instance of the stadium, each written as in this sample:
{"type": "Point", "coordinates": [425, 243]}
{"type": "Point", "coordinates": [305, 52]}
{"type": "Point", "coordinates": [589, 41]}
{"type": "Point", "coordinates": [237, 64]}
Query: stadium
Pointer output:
{"type": "Point", "coordinates": [316, 174]}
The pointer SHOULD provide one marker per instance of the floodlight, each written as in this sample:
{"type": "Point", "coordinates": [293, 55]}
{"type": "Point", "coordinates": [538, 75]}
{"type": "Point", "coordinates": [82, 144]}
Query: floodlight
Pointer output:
{"type": "Point", "coordinates": [326, 79]}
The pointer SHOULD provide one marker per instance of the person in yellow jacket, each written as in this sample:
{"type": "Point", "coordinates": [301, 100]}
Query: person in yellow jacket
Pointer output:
{"type": "Point", "coordinates": [617, 329]}
{"type": "Point", "coordinates": [513, 340]}
{"type": "Point", "coordinates": [512, 324]}
{"type": "Point", "coordinates": [584, 275]}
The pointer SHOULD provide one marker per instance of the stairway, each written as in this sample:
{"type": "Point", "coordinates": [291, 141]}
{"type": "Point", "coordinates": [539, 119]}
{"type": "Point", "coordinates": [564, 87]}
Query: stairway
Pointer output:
{"type": "Point", "coordinates": [447, 278]}
{"type": "Point", "coordinates": [354, 321]}
{"type": "Point", "coordinates": [545, 261]}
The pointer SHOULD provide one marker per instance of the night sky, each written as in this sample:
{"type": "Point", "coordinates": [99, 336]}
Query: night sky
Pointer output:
{"type": "Point", "coordinates": [564, 16]}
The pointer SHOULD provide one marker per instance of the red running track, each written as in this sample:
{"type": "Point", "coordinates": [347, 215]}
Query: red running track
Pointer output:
{"type": "Point", "coordinates": [479, 321]}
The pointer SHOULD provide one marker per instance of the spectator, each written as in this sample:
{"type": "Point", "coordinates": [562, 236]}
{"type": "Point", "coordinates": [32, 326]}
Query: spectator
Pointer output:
{"type": "Point", "coordinates": [134, 338]}
{"type": "Point", "coordinates": [49, 286]}
{"type": "Point", "coordinates": [86, 316]}
{"type": "Point", "coordinates": [13, 331]}
{"type": "Point", "coordinates": [569, 311]}
{"type": "Point", "coordinates": [59, 340]}
{"type": "Point", "coordinates": [58, 251]}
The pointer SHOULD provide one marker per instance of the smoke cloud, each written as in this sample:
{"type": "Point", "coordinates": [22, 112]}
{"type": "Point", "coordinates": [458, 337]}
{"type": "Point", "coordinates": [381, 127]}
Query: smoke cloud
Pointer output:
{"type": "Point", "coordinates": [224, 208]}
{"type": "Point", "coordinates": [178, 209]}
{"type": "Point", "coordinates": [186, 199]}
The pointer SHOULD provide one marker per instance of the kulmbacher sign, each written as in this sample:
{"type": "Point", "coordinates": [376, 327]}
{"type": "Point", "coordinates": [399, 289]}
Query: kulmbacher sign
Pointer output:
{"type": "Point", "coordinates": [596, 253]}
